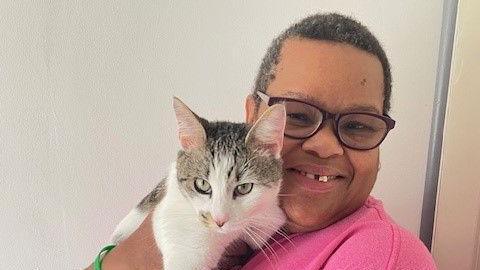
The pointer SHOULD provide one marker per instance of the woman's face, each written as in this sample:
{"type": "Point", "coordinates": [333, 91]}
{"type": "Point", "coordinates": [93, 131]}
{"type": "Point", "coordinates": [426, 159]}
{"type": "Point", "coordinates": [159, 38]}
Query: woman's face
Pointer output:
{"type": "Point", "coordinates": [338, 78]}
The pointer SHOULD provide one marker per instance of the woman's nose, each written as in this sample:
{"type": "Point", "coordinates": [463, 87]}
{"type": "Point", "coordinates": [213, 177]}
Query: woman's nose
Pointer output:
{"type": "Point", "coordinates": [324, 143]}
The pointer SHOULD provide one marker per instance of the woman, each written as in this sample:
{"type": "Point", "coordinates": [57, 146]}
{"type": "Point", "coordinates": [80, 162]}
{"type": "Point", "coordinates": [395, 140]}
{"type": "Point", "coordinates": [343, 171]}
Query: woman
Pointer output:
{"type": "Point", "coordinates": [334, 79]}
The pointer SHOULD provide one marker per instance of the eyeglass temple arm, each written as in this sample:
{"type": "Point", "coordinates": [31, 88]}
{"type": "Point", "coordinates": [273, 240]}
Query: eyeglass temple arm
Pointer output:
{"type": "Point", "coordinates": [263, 96]}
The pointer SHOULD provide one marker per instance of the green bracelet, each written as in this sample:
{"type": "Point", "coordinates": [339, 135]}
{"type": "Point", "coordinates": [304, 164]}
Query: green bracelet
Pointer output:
{"type": "Point", "coordinates": [97, 264]}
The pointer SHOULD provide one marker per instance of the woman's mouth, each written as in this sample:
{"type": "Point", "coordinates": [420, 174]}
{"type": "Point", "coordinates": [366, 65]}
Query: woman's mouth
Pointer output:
{"type": "Point", "coordinates": [317, 182]}
{"type": "Point", "coordinates": [321, 178]}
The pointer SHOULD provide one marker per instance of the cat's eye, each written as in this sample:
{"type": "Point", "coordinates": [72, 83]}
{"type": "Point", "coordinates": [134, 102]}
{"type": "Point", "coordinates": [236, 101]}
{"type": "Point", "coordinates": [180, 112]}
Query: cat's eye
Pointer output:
{"type": "Point", "coordinates": [202, 186]}
{"type": "Point", "coordinates": [243, 189]}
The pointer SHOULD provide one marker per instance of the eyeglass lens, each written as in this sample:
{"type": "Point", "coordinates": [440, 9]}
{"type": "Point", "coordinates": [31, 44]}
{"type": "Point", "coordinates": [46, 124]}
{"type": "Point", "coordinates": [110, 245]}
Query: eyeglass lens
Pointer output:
{"type": "Point", "coordinates": [355, 130]}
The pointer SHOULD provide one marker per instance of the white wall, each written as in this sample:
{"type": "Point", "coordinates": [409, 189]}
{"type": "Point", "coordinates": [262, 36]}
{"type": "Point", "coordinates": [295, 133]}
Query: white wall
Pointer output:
{"type": "Point", "coordinates": [86, 126]}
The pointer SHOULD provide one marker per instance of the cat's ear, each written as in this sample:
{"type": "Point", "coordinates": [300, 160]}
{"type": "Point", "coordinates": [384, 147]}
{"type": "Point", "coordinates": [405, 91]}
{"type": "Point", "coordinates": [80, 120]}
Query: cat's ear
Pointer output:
{"type": "Point", "coordinates": [190, 131]}
{"type": "Point", "coordinates": [267, 132]}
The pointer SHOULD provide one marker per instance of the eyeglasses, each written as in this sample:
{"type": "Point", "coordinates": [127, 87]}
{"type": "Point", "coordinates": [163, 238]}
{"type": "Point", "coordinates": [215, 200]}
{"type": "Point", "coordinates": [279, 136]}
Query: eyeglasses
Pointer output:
{"type": "Point", "coordinates": [355, 130]}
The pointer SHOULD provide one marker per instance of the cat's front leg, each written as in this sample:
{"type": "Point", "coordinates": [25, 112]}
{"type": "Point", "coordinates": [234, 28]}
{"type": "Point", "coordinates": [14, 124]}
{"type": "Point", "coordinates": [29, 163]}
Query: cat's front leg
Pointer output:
{"type": "Point", "coordinates": [128, 225]}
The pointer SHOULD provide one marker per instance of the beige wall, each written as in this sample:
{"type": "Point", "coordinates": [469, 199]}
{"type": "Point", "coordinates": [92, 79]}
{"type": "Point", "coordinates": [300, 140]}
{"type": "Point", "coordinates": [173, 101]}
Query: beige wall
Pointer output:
{"type": "Point", "coordinates": [456, 234]}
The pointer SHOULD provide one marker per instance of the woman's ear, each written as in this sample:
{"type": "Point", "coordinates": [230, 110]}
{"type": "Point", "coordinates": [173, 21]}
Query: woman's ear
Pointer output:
{"type": "Point", "coordinates": [250, 110]}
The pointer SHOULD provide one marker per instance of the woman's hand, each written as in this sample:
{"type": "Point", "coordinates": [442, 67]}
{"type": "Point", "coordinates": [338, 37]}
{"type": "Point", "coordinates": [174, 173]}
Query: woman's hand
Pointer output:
{"type": "Point", "coordinates": [138, 251]}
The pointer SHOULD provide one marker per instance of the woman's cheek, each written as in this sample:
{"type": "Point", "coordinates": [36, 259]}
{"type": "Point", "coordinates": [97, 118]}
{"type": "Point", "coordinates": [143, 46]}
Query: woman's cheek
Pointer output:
{"type": "Point", "coordinates": [288, 146]}
{"type": "Point", "coordinates": [365, 167]}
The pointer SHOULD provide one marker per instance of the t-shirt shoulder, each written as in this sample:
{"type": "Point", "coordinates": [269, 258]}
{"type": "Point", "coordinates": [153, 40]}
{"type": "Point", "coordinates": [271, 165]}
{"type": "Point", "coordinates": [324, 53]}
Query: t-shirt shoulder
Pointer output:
{"type": "Point", "coordinates": [374, 241]}
{"type": "Point", "coordinates": [412, 253]}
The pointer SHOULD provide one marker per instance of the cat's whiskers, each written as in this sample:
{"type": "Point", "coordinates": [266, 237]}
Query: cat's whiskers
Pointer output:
{"type": "Point", "coordinates": [267, 245]}
{"type": "Point", "coordinates": [258, 228]}
{"type": "Point", "coordinates": [277, 230]}
{"type": "Point", "coordinates": [284, 234]}
{"type": "Point", "coordinates": [258, 245]}
{"type": "Point", "coordinates": [280, 231]}
{"type": "Point", "coordinates": [287, 194]}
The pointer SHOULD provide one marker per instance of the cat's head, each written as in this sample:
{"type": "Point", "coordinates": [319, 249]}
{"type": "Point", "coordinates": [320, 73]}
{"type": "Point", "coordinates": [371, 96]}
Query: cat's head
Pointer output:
{"type": "Point", "coordinates": [230, 172]}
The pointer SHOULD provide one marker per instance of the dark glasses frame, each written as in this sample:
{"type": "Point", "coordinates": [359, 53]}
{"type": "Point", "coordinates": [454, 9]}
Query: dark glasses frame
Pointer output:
{"type": "Point", "coordinates": [390, 123]}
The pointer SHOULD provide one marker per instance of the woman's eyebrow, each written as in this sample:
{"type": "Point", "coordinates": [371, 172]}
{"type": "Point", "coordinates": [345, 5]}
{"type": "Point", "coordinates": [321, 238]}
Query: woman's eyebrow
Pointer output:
{"type": "Point", "coordinates": [305, 97]}
{"type": "Point", "coordinates": [350, 108]}
{"type": "Point", "coordinates": [294, 94]}
{"type": "Point", "coordinates": [362, 108]}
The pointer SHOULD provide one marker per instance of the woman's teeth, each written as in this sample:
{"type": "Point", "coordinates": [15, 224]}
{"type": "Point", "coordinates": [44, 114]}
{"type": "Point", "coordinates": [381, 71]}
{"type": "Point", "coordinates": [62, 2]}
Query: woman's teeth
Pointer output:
{"type": "Point", "coordinates": [321, 178]}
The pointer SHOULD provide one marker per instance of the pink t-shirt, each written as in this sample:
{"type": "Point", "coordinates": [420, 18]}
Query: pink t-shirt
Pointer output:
{"type": "Point", "coordinates": [367, 239]}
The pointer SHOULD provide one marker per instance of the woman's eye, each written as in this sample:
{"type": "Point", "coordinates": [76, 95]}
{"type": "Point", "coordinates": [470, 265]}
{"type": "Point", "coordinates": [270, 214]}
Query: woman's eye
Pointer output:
{"type": "Point", "coordinates": [243, 189]}
{"type": "Point", "coordinates": [357, 126]}
{"type": "Point", "coordinates": [299, 118]}
{"type": "Point", "coordinates": [202, 186]}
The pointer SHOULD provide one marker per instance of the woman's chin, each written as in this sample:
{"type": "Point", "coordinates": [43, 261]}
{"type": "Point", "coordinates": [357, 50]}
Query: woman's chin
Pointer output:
{"type": "Point", "coordinates": [302, 227]}
{"type": "Point", "coordinates": [299, 221]}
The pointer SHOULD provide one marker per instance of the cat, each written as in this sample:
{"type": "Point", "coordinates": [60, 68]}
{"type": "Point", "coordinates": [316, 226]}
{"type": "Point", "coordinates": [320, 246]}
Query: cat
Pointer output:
{"type": "Point", "coordinates": [223, 186]}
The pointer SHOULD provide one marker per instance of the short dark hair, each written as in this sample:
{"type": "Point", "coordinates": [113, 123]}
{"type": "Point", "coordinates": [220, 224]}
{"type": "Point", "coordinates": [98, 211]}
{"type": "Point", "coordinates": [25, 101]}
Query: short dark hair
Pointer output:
{"type": "Point", "coordinates": [329, 27]}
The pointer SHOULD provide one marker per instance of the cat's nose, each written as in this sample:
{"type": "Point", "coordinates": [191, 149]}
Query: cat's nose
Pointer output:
{"type": "Point", "coordinates": [220, 220]}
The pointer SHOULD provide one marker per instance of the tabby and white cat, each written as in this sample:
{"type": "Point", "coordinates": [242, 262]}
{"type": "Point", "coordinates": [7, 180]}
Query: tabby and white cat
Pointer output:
{"type": "Point", "coordinates": [222, 187]}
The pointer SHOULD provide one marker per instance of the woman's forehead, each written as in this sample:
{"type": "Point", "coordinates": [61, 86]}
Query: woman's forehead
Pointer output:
{"type": "Point", "coordinates": [333, 76]}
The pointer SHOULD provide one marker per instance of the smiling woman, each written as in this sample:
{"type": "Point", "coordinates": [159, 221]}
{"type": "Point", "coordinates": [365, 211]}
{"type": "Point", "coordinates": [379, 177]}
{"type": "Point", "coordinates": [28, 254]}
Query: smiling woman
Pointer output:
{"type": "Point", "coordinates": [330, 153]}
{"type": "Point", "coordinates": [328, 73]}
